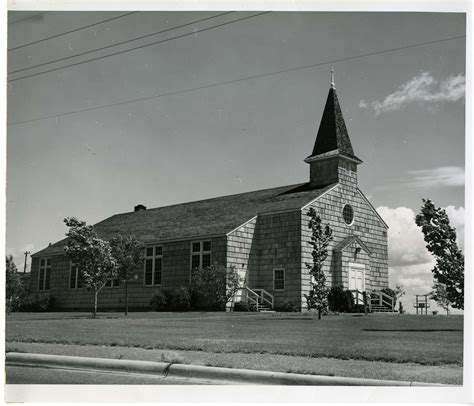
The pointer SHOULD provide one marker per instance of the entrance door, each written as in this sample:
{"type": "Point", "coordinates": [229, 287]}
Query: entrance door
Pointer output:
{"type": "Point", "coordinates": [357, 277]}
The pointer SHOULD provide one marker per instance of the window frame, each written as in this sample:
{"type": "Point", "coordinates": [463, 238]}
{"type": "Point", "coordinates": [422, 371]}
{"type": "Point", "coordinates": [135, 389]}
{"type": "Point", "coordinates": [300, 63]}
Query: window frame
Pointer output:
{"type": "Point", "coordinates": [76, 278]}
{"type": "Point", "coordinates": [43, 266]}
{"type": "Point", "coordinates": [200, 253]}
{"type": "Point", "coordinates": [110, 284]}
{"type": "Point", "coordinates": [353, 215]}
{"type": "Point", "coordinates": [153, 257]}
{"type": "Point", "coordinates": [282, 280]}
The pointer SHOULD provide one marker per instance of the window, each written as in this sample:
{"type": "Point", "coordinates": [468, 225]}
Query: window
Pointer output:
{"type": "Point", "coordinates": [348, 214]}
{"type": "Point", "coordinates": [112, 283]}
{"type": "Point", "coordinates": [76, 280]}
{"type": "Point", "coordinates": [44, 274]}
{"type": "Point", "coordinates": [201, 254]}
{"type": "Point", "coordinates": [153, 265]}
{"type": "Point", "coordinates": [278, 279]}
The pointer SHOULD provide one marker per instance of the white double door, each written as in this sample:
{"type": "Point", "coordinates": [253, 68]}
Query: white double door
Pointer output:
{"type": "Point", "coordinates": [356, 277]}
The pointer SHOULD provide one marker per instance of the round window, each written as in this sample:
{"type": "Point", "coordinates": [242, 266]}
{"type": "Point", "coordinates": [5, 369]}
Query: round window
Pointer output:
{"type": "Point", "coordinates": [348, 214]}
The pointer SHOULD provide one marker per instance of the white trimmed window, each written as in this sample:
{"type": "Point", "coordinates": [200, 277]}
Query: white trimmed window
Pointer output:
{"type": "Point", "coordinates": [76, 280]}
{"type": "Point", "coordinates": [44, 277]}
{"type": "Point", "coordinates": [201, 254]}
{"type": "Point", "coordinates": [279, 279]}
{"type": "Point", "coordinates": [153, 265]}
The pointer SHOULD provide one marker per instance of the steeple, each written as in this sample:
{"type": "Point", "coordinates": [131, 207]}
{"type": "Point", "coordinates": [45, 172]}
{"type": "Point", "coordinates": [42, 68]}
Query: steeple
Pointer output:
{"type": "Point", "coordinates": [332, 152]}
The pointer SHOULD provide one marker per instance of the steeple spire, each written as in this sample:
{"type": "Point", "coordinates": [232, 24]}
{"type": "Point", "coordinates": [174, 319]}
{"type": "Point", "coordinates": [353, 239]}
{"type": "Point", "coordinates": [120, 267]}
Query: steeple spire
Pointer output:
{"type": "Point", "coordinates": [332, 152]}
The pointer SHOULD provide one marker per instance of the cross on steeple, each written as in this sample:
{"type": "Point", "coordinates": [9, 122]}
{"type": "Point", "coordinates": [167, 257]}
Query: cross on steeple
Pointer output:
{"type": "Point", "coordinates": [333, 86]}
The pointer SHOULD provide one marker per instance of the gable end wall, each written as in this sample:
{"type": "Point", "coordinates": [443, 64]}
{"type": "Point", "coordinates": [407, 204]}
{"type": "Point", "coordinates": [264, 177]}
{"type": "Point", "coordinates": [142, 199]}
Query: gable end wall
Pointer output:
{"type": "Point", "coordinates": [366, 225]}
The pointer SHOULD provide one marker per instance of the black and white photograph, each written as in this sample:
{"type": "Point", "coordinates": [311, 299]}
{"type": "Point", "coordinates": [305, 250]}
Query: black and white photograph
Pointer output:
{"type": "Point", "coordinates": [223, 197]}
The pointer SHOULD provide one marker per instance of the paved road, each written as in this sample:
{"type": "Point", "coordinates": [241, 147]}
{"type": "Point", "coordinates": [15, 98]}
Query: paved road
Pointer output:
{"type": "Point", "coordinates": [52, 376]}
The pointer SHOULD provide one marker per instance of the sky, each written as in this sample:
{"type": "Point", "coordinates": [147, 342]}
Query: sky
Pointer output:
{"type": "Point", "coordinates": [404, 110]}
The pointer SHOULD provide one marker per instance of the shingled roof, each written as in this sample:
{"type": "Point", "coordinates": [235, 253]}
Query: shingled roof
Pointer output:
{"type": "Point", "coordinates": [202, 218]}
{"type": "Point", "coordinates": [332, 133]}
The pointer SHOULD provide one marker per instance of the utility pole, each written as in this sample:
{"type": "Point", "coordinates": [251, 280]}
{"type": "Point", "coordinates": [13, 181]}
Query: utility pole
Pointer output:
{"type": "Point", "coordinates": [26, 258]}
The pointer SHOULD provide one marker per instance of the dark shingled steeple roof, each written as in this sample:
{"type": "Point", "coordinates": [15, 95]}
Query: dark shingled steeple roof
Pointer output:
{"type": "Point", "coordinates": [332, 133]}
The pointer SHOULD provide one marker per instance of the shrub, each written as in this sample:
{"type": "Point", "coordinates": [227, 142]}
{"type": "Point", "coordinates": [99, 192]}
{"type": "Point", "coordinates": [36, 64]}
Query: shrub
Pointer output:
{"type": "Point", "coordinates": [340, 300]}
{"type": "Point", "coordinates": [179, 300]}
{"type": "Point", "coordinates": [159, 302]}
{"type": "Point", "coordinates": [213, 287]}
{"type": "Point", "coordinates": [242, 307]}
{"type": "Point", "coordinates": [38, 303]}
{"type": "Point", "coordinates": [288, 306]}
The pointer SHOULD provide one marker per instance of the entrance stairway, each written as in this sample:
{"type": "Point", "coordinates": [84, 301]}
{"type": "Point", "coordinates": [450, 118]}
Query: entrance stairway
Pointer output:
{"type": "Point", "coordinates": [258, 299]}
{"type": "Point", "coordinates": [376, 301]}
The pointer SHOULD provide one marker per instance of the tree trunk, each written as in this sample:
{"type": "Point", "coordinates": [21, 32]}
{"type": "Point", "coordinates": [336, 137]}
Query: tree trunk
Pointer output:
{"type": "Point", "coordinates": [9, 307]}
{"type": "Point", "coordinates": [126, 298]}
{"type": "Point", "coordinates": [96, 293]}
{"type": "Point", "coordinates": [319, 313]}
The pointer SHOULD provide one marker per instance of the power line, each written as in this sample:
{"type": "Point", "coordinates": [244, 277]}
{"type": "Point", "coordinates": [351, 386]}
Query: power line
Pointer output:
{"type": "Point", "coordinates": [139, 47]}
{"type": "Point", "coordinates": [26, 18]}
{"type": "Point", "coordinates": [238, 80]}
{"type": "Point", "coordinates": [71, 31]}
{"type": "Point", "coordinates": [121, 43]}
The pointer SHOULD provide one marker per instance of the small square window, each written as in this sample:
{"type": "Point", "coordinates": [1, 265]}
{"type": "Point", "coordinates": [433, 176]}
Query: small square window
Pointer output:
{"type": "Point", "coordinates": [159, 250]}
{"type": "Point", "coordinates": [196, 246]}
{"type": "Point", "coordinates": [206, 246]}
{"type": "Point", "coordinates": [149, 252]}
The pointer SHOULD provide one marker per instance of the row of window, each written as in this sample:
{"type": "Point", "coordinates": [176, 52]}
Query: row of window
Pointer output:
{"type": "Point", "coordinates": [200, 257]}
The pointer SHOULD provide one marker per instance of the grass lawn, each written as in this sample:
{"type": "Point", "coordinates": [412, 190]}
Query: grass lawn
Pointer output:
{"type": "Point", "coordinates": [427, 340]}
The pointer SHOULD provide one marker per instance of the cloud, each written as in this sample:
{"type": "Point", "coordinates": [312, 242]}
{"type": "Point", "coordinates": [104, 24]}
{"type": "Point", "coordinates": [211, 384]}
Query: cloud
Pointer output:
{"type": "Point", "coordinates": [406, 245]}
{"type": "Point", "coordinates": [456, 219]}
{"type": "Point", "coordinates": [423, 89]}
{"type": "Point", "coordinates": [409, 261]}
{"type": "Point", "coordinates": [449, 176]}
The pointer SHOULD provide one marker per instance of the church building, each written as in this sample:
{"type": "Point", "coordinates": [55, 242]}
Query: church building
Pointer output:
{"type": "Point", "coordinates": [264, 234]}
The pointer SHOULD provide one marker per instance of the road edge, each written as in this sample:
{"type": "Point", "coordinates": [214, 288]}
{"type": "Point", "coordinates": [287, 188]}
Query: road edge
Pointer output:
{"type": "Point", "coordinates": [166, 369]}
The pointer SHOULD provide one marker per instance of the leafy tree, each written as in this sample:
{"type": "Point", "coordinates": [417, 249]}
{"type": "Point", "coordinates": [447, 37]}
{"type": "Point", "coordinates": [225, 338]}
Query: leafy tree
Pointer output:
{"type": "Point", "coordinates": [441, 239]}
{"type": "Point", "coordinates": [439, 295]}
{"type": "Point", "coordinates": [320, 239]}
{"type": "Point", "coordinates": [128, 252]}
{"type": "Point", "coordinates": [14, 284]}
{"type": "Point", "coordinates": [215, 285]}
{"type": "Point", "coordinates": [92, 256]}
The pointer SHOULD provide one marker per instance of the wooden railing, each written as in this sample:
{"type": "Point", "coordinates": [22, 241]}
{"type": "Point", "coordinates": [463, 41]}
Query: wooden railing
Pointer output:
{"type": "Point", "coordinates": [380, 298]}
{"type": "Point", "coordinates": [257, 298]}
{"type": "Point", "coordinates": [265, 298]}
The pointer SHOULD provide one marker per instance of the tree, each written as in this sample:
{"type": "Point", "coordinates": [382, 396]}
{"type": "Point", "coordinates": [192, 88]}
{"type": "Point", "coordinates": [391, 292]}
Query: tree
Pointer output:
{"type": "Point", "coordinates": [14, 284]}
{"type": "Point", "coordinates": [320, 238]}
{"type": "Point", "coordinates": [439, 295]}
{"type": "Point", "coordinates": [215, 285]}
{"type": "Point", "coordinates": [128, 252]}
{"type": "Point", "coordinates": [92, 256]}
{"type": "Point", "coordinates": [441, 239]}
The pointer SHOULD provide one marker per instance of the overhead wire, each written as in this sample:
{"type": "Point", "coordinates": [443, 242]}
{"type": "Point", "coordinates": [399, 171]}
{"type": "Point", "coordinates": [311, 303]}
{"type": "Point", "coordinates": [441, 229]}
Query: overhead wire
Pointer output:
{"type": "Point", "coordinates": [26, 18]}
{"type": "Point", "coordinates": [71, 31]}
{"type": "Point", "coordinates": [120, 43]}
{"type": "Point", "coordinates": [237, 80]}
{"type": "Point", "coordinates": [140, 46]}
